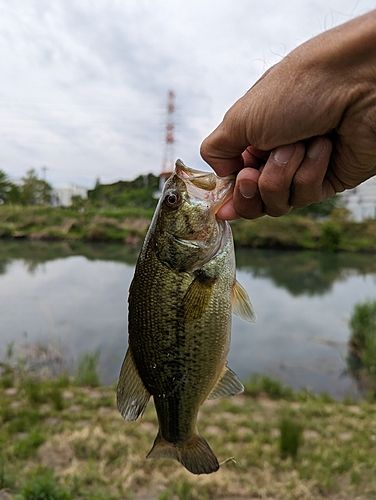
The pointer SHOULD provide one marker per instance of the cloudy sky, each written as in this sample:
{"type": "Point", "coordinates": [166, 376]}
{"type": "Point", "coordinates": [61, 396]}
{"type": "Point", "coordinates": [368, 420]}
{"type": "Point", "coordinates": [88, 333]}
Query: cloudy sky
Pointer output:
{"type": "Point", "coordinates": [83, 83]}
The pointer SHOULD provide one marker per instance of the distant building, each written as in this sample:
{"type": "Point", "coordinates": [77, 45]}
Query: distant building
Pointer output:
{"type": "Point", "coordinates": [63, 196]}
{"type": "Point", "coordinates": [361, 201]}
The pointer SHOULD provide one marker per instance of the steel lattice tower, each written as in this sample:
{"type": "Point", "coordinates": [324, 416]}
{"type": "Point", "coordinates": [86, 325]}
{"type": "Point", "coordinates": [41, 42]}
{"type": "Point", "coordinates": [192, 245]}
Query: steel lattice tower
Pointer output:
{"type": "Point", "coordinates": [168, 156]}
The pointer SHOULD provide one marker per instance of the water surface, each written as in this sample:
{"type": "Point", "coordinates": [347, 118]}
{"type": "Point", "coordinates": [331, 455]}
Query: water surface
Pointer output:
{"type": "Point", "coordinates": [74, 298]}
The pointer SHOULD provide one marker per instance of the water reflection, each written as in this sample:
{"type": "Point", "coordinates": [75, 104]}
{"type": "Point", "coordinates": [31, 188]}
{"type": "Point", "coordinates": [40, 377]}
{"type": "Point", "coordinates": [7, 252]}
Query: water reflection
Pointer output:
{"type": "Point", "coordinates": [310, 273]}
{"type": "Point", "coordinates": [33, 254]}
{"type": "Point", "coordinates": [73, 295]}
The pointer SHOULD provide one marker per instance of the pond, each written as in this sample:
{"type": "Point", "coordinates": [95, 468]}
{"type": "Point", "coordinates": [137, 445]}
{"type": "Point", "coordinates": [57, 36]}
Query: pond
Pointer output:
{"type": "Point", "coordinates": [74, 298]}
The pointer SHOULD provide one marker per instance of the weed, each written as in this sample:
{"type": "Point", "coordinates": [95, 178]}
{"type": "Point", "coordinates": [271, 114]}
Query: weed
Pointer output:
{"type": "Point", "coordinates": [22, 420]}
{"type": "Point", "coordinates": [27, 446]}
{"type": "Point", "coordinates": [62, 382]}
{"type": "Point", "coordinates": [34, 393]}
{"type": "Point", "coordinates": [361, 360]}
{"type": "Point", "coordinates": [5, 479]}
{"type": "Point", "coordinates": [87, 370]}
{"type": "Point", "coordinates": [7, 378]}
{"type": "Point", "coordinates": [264, 385]}
{"type": "Point", "coordinates": [43, 486]}
{"type": "Point", "coordinates": [182, 490]}
{"type": "Point", "coordinates": [290, 438]}
{"type": "Point", "coordinates": [331, 236]}
{"type": "Point", "coordinates": [56, 397]}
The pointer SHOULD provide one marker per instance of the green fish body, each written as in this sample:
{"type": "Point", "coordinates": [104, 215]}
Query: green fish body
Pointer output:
{"type": "Point", "coordinates": [180, 303]}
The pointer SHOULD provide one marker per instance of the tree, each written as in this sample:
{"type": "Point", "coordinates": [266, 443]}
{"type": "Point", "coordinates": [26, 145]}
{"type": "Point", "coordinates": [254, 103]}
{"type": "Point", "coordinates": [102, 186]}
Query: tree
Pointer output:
{"type": "Point", "coordinates": [35, 191]}
{"type": "Point", "coordinates": [9, 192]}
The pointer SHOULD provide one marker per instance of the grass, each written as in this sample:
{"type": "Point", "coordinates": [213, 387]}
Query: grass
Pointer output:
{"type": "Point", "coordinates": [290, 438]}
{"type": "Point", "coordinates": [286, 445]}
{"type": "Point", "coordinates": [87, 370]}
{"type": "Point", "coordinates": [42, 485]}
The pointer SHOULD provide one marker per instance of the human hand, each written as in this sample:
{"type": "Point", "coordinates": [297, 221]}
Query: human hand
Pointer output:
{"type": "Point", "coordinates": [306, 130]}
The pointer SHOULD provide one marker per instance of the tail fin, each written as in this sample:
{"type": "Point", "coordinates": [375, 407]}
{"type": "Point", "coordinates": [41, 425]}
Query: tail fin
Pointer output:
{"type": "Point", "coordinates": [195, 454]}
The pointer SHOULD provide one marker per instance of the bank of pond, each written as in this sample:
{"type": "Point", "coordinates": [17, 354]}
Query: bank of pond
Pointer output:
{"type": "Point", "coordinates": [336, 232]}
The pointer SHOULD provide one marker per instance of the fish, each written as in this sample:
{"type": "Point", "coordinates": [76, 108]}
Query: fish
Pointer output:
{"type": "Point", "coordinates": [181, 298]}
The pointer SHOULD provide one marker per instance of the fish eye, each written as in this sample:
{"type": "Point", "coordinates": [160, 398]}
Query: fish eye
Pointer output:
{"type": "Point", "coordinates": [172, 199]}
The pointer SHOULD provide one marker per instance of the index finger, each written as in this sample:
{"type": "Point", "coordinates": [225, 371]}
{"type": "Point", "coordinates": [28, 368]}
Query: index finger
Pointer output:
{"type": "Point", "coordinates": [218, 153]}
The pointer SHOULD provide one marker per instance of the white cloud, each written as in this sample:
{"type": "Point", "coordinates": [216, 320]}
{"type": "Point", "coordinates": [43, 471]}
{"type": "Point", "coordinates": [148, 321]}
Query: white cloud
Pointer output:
{"type": "Point", "coordinates": [83, 83]}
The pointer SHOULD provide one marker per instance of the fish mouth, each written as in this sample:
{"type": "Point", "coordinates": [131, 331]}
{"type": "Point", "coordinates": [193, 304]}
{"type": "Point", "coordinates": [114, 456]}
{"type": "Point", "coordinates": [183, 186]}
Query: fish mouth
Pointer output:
{"type": "Point", "coordinates": [206, 186]}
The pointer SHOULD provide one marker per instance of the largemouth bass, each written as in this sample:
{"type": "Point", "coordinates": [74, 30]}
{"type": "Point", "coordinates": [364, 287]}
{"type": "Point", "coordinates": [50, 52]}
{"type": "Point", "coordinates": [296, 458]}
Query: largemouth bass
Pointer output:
{"type": "Point", "coordinates": [180, 303]}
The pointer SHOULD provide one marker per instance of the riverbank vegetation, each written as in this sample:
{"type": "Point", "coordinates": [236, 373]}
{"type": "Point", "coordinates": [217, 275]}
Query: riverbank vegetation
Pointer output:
{"type": "Point", "coordinates": [63, 440]}
{"type": "Point", "coordinates": [361, 359]}
{"type": "Point", "coordinates": [121, 212]}
{"type": "Point", "coordinates": [128, 225]}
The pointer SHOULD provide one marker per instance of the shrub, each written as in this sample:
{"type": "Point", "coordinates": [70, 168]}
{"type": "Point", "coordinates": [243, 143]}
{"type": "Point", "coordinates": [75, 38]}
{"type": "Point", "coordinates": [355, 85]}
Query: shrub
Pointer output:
{"type": "Point", "coordinates": [362, 343]}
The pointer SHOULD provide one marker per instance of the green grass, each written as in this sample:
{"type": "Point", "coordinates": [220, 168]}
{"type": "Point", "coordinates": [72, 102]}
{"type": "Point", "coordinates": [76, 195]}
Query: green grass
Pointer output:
{"type": "Point", "coordinates": [27, 446]}
{"type": "Point", "coordinates": [87, 370]}
{"type": "Point", "coordinates": [267, 386]}
{"type": "Point", "coordinates": [290, 437]}
{"type": "Point", "coordinates": [42, 485]}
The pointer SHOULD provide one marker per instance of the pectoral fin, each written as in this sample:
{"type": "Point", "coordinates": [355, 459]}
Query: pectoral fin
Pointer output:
{"type": "Point", "coordinates": [241, 304]}
{"type": "Point", "coordinates": [132, 396]}
{"type": "Point", "coordinates": [228, 385]}
{"type": "Point", "coordinates": [197, 297]}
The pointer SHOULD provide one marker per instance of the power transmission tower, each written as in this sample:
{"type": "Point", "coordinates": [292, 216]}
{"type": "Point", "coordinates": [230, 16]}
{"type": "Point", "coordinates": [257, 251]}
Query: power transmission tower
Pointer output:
{"type": "Point", "coordinates": [168, 156]}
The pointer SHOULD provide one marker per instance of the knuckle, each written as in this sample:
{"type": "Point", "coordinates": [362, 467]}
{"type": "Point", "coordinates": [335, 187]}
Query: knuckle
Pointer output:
{"type": "Point", "coordinates": [270, 185]}
{"type": "Point", "coordinates": [277, 211]}
{"type": "Point", "coordinates": [205, 149]}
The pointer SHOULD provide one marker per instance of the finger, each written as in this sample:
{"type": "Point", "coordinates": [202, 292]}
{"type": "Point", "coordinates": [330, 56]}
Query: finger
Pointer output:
{"type": "Point", "coordinates": [223, 148]}
{"type": "Point", "coordinates": [227, 211]}
{"type": "Point", "coordinates": [217, 150]}
{"type": "Point", "coordinates": [246, 198]}
{"type": "Point", "coordinates": [254, 158]}
{"type": "Point", "coordinates": [308, 182]}
{"type": "Point", "coordinates": [277, 176]}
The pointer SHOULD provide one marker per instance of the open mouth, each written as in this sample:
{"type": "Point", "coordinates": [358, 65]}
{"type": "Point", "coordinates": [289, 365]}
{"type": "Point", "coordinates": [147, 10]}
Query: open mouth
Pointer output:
{"type": "Point", "coordinates": [205, 186]}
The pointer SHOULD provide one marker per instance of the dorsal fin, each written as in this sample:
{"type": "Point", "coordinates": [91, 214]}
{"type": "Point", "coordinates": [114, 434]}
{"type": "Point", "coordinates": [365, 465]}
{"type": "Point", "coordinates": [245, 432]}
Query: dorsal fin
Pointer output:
{"type": "Point", "coordinates": [241, 304]}
{"type": "Point", "coordinates": [228, 385]}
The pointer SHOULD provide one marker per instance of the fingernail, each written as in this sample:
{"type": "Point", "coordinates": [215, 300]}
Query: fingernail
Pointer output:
{"type": "Point", "coordinates": [247, 189]}
{"type": "Point", "coordinates": [283, 154]}
{"type": "Point", "coordinates": [315, 149]}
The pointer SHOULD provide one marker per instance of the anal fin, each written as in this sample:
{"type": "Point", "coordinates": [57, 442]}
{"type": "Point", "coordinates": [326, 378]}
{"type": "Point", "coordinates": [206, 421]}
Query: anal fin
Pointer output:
{"type": "Point", "coordinates": [132, 395]}
{"type": "Point", "coordinates": [228, 385]}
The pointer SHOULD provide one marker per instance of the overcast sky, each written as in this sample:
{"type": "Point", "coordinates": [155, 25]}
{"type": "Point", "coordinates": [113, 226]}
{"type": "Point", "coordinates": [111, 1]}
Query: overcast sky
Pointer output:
{"type": "Point", "coordinates": [83, 83]}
